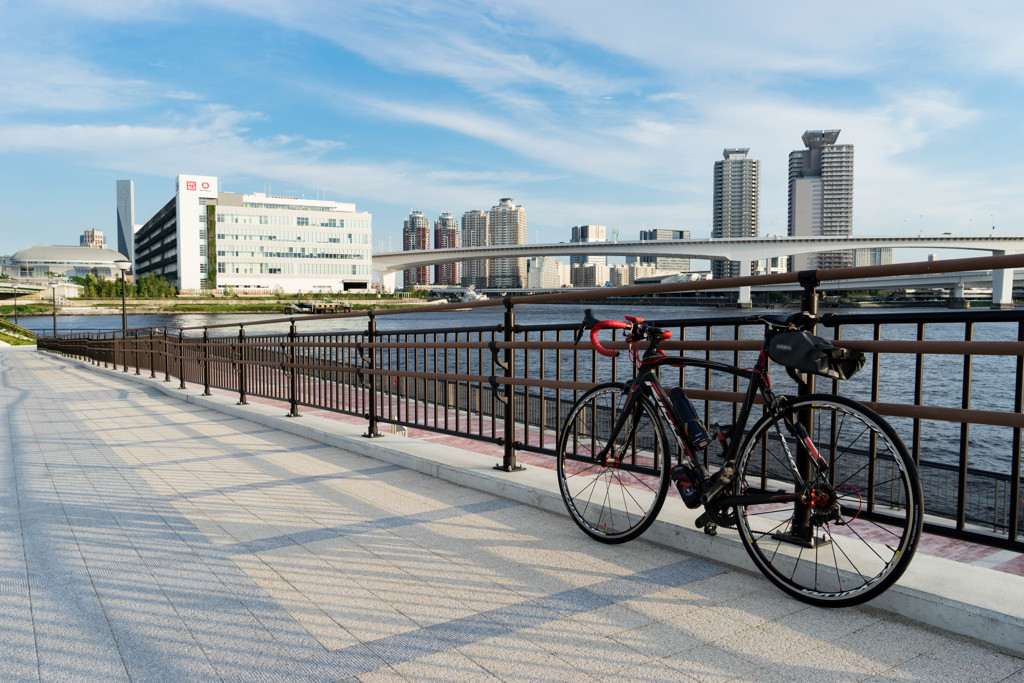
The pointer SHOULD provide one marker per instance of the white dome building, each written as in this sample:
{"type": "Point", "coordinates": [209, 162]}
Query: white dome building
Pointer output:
{"type": "Point", "coordinates": [35, 262]}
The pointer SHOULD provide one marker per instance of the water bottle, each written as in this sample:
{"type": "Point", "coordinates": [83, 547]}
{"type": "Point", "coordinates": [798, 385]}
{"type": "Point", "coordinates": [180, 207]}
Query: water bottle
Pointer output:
{"type": "Point", "coordinates": [691, 423]}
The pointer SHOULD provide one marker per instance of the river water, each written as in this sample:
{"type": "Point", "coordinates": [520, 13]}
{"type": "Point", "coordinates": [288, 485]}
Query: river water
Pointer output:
{"type": "Point", "coordinates": [992, 385]}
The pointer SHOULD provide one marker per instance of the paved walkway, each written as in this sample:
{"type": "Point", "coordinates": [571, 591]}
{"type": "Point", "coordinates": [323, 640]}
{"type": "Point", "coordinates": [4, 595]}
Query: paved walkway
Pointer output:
{"type": "Point", "coordinates": [145, 538]}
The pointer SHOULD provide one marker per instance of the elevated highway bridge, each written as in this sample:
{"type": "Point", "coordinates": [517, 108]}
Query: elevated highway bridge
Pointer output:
{"type": "Point", "coordinates": [741, 250]}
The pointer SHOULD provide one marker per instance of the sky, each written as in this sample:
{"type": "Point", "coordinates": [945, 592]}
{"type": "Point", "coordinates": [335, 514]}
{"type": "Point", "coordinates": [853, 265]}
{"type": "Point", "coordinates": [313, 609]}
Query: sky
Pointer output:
{"type": "Point", "coordinates": [584, 112]}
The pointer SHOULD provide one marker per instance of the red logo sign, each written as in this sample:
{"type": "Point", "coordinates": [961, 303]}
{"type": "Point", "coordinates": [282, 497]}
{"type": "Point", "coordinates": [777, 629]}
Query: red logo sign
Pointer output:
{"type": "Point", "coordinates": [206, 186]}
{"type": "Point", "coordinates": [190, 185]}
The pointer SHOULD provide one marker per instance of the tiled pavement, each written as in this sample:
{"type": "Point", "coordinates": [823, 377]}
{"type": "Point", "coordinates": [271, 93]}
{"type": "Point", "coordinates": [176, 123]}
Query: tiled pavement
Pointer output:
{"type": "Point", "coordinates": [145, 538]}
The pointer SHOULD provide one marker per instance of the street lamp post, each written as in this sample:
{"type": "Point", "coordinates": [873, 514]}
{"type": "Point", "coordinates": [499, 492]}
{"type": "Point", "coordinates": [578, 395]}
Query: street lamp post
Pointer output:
{"type": "Point", "coordinates": [124, 265]}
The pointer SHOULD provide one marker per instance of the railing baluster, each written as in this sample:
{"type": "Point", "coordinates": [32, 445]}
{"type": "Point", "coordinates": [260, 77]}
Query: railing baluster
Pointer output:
{"type": "Point", "coordinates": [965, 433]}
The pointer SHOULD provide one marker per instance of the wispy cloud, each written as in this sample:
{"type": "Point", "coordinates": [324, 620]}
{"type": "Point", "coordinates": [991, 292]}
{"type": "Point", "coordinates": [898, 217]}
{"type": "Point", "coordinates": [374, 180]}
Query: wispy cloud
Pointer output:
{"type": "Point", "coordinates": [581, 109]}
{"type": "Point", "coordinates": [34, 83]}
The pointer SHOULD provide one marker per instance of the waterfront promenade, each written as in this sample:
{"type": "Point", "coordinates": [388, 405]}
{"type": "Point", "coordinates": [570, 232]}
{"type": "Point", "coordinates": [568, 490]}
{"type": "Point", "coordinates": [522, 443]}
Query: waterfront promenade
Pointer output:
{"type": "Point", "coordinates": [144, 537]}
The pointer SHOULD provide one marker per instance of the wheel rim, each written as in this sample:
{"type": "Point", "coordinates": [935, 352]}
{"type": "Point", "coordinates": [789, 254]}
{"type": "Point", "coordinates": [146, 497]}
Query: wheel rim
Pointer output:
{"type": "Point", "coordinates": [863, 520]}
{"type": "Point", "coordinates": [621, 498]}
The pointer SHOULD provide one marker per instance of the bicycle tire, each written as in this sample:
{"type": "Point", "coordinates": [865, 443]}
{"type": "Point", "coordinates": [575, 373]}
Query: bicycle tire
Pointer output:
{"type": "Point", "coordinates": [870, 539]}
{"type": "Point", "coordinates": [612, 504]}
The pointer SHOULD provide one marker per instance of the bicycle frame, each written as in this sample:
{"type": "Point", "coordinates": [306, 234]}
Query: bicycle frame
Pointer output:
{"type": "Point", "coordinates": [646, 383]}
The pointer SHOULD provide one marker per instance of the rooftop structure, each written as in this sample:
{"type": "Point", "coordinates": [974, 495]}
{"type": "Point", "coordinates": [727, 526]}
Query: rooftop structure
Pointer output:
{"type": "Point", "coordinates": [33, 263]}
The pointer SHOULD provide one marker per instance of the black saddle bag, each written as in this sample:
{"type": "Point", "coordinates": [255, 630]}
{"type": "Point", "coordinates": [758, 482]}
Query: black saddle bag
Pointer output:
{"type": "Point", "coordinates": [804, 352]}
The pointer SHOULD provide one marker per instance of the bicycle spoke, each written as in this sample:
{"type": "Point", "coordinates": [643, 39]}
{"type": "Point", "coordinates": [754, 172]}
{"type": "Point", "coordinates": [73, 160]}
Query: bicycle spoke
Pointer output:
{"type": "Point", "coordinates": [830, 549]}
{"type": "Point", "coordinates": [614, 502]}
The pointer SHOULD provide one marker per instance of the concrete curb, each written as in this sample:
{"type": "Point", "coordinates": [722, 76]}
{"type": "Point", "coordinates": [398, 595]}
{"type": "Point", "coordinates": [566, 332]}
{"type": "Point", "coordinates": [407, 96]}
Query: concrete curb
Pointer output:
{"type": "Point", "coordinates": [959, 598]}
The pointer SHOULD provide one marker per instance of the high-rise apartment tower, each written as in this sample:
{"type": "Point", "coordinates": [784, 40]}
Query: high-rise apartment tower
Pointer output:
{"type": "Point", "coordinates": [416, 235]}
{"type": "Point", "coordinates": [821, 197]}
{"type": "Point", "coordinates": [446, 236]}
{"type": "Point", "coordinates": [507, 225]}
{"type": "Point", "coordinates": [735, 205]}
{"type": "Point", "coordinates": [474, 234]}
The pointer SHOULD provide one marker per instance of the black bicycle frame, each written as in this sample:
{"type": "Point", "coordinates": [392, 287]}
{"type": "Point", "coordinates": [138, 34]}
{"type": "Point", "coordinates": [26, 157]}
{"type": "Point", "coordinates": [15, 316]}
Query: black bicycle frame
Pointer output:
{"type": "Point", "coordinates": [757, 385]}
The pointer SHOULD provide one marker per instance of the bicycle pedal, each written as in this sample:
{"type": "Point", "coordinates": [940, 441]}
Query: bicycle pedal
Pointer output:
{"type": "Point", "coordinates": [711, 529]}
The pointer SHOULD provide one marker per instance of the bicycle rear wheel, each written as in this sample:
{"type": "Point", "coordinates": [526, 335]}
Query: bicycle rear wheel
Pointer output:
{"type": "Point", "coordinates": [855, 532]}
{"type": "Point", "coordinates": [615, 501]}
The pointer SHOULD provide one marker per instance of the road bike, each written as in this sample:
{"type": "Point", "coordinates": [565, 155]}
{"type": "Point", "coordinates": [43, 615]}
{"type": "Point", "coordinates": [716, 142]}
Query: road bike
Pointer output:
{"type": "Point", "coordinates": [821, 490]}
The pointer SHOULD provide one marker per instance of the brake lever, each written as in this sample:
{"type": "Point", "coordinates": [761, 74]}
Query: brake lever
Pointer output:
{"type": "Point", "coordinates": [588, 322]}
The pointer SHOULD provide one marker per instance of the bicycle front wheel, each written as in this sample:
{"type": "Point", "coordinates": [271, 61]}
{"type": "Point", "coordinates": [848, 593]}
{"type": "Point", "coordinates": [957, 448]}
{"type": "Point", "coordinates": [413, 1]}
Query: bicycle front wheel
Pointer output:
{"type": "Point", "coordinates": [613, 494]}
{"type": "Point", "coordinates": [857, 526]}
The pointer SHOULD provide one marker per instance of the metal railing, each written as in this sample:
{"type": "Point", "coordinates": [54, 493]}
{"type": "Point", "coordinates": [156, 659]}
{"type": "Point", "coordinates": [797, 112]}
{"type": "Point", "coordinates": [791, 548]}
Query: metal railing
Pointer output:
{"type": "Point", "coordinates": [512, 384]}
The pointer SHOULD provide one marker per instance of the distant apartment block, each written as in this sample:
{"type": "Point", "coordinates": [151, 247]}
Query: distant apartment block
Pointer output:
{"type": "Point", "coordinates": [777, 264]}
{"type": "Point", "coordinates": [474, 234]}
{"type": "Point", "coordinates": [618, 275]}
{"type": "Point", "coordinates": [669, 264]}
{"type": "Point", "coordinates": [204, 239]}
{"type": "Point", "coordinates": [446, 236]}
{"type": "Point", "coordinates": [734, 213]}
{"type": "Point", "coordinates": [92, 238]}
{"type": "Point", "coordinates": [416, 236]}
{"type": "Point", "coordinates": [821, 197]}
{"type": "Point", "coordinates": [623, 275]}
{"type": "Point", "coordinates": [879, 256]}
{"type": "Point", "coordinates": [585, 234]}
{"type": "Point", "coordinates": [507, 225]}
{"type": "Point", "coordinates": [589, 275]}
{"type": "Point", "coordinates": [544, 272]}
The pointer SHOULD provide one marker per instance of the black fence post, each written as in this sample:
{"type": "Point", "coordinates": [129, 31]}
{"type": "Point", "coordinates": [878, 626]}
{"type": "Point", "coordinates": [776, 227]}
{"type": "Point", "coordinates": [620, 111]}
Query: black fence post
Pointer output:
{"type": "Point", "coordinates": [508, 442]}
{"type": "Point", "coordinates": [240, 356]}
{"type": "Point", "coordinates": [152, 353]}
{"type": "Point", "coordinates": [167, 356]}
{"type": "Point", "coordinates": [371, 335]}
{"type": "Point", "coordinates": [293, 398]}
{"type": "Point", "coordinates": [181, 359]}
{"type": "Point", "coordinates": [206, 362]}
{"type": "Point", "coordinates": [137, 352]}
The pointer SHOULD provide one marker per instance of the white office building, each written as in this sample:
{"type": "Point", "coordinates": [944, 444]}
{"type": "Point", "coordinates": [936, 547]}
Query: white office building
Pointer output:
{"type": "Point", "coordinates": [207, 240]}
{"type": "Point", "coordinates": [544, 272]}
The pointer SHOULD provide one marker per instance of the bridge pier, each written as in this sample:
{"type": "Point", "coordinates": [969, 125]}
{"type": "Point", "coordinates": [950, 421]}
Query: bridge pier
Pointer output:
{"type": "Point", "coordinates": [386, 280]}
{"type": "Point", "coordinates": [1002, 286]}
{"type": "Point", "coordinates": [956, 297]}
{"type": "Point", "coordinates": [743, 300]}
